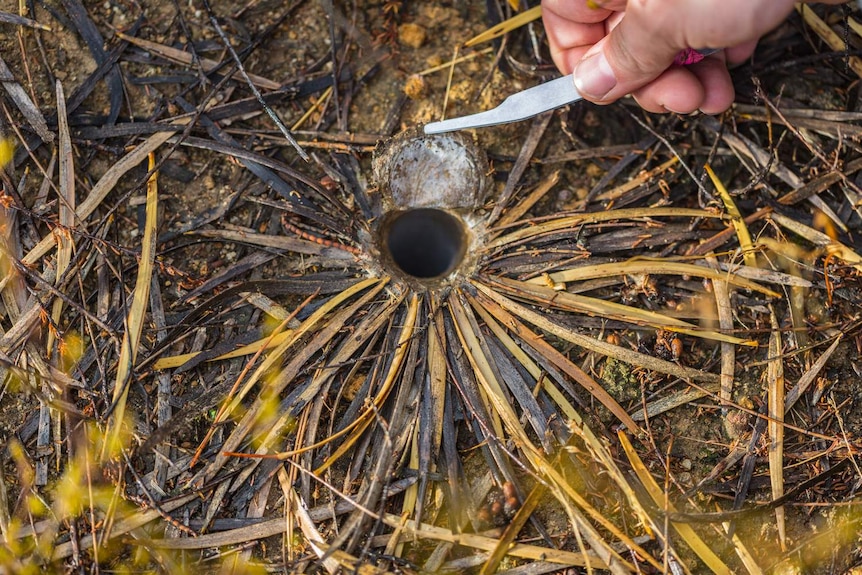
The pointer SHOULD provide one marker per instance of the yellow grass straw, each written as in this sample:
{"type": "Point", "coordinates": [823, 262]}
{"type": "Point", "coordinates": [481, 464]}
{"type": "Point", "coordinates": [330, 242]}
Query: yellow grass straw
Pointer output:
{"type": "Point", "coordinates": [775, 391]}
{"type": "Point", "coordinates": [137, 312]}
{"type": "Point", "coordinates": [505, 26]}
{"type": "Point", "coordinates": [736, 218]}
{"type": "Point", "coordinates": [660, 498]}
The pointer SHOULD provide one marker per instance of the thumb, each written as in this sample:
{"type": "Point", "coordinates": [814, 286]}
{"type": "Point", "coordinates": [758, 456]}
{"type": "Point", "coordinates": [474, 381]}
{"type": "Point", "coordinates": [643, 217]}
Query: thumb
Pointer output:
{"type": "Point", "coordinates": [652, 32]}
{"type": "Point", "coordinates": [633, 54]}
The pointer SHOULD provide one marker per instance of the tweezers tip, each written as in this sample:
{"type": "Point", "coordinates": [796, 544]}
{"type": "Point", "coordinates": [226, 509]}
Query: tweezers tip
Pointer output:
{"type": "Point", "coordinates": [434, 128]}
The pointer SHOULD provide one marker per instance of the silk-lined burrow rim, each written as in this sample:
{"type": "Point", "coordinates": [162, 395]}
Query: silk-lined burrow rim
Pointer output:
{"type": "Point", "coordinates": [430, 189]}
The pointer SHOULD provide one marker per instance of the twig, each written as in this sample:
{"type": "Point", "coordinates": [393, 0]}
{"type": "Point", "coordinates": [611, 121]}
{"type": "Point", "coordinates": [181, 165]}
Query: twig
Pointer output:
{"type": "Point", "coordinates": [269, 111]}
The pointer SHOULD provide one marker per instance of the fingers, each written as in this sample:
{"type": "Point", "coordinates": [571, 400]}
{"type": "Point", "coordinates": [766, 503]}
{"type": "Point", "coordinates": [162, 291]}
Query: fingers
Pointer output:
{"type": "Point", "coordinates": [570, 40]}
{"type": "Point", "coordinates": [642, 47]}
{"type": "Point", "coordinates": [620, 47]}
{"type": "Point", "coordinates": [739, 54]}
{"type": "Point", "coordinates": [718, 93]}
{"type": "Point", "coordinates": [706, 86]}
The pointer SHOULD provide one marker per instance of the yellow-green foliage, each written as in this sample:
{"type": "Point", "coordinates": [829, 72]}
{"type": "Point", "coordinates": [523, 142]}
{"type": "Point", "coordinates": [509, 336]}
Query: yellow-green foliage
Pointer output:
{"type": "Point", "coordinates": [7, 151]}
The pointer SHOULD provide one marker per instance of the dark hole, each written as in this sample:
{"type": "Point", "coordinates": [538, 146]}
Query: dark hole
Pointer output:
{"type": "Point", "coordinates": [425, 243]}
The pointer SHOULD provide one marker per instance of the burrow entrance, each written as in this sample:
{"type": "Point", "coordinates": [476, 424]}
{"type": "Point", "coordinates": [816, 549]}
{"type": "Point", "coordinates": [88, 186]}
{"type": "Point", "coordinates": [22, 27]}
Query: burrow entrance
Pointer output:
{"type": "Point", "coordinates": [424, 243]}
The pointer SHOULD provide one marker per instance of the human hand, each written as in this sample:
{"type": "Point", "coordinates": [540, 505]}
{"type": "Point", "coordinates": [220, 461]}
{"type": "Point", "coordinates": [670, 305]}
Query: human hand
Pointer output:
{"type": "Point", "coordinates": [620, 47]}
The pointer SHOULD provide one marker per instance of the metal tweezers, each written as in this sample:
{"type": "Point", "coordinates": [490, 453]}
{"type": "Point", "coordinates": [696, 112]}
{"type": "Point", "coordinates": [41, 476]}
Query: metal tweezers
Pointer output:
{"type": "Point", "coordinates": [533, 101]}
{"type": "Point", "coordinates": [520, 106]}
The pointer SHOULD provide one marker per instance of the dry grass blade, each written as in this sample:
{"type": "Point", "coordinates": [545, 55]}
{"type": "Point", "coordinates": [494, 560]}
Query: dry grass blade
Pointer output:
{"type": "Point", "coordinates": [136, 316]}
{"type": "Point", "coordinates": [485, 374]}
{"type": "Point", "coordinates": [479, 305]}
{"type": "Point", "coordinates": [828, 35]}
{"type": "Point", "coordinates": [365, 418]}
{"type": "Point", "coordinates": [820, 184]}
{"type": "Point", "coordinates": [601, 454]}
{"type": "Point", "coordinates": [182, 57]}
{"type": "Point", "coordinates": [264, 343]}
{"type": "Point", "coordinates": [639, 266]}
{"type": "Point", "coordinates": [252, 417]}
{"type": "Point", "coordinates": [611, 310]}
{"type": "Point", "coordinates": [515, 213]}
{"type": "Point", "coordinates": [101, 190]}
{"type": "Point", "coordinates": [307, 326]}
{"type": "Point", "coordinates": [594, 345]}
{"type": "Point", "coordinates": [494, 308]}
{"type": "Point", "coordinates": [575, 220]}
{"type": "Point", "coordinates": [7, 151]}
{"type": "Point", "coordinates": [274, 339]}
{"type": "Point", "coordinates": [506, 26]}
{"type": "Point", "coordinates": [818, 238]}
{"type": "Point", "coordinates": [306, 524]}
{"type": "Point", "coordinates": [297, 245]}
{"type": "Point", "coordinates": [745, 555]}
{"type": "Point", "coordinates": [484, 543]}
{"type": "Point", "coordinates": [660, 498]}
{"type": "Point", "coordinates": [725, 322]}
{"type": "Point", "coordinates": [17, 20]}
{"type": "Point", "coordinates": [672, 401]}
{"type": "Point", "coordinates": [765, 160]}
{"type": "Point", "coordinates": [460, 413]}
{"type": "Point", "coordinates": [742, 233]}
{"type": "Point", "coordinates": [65, 248]}
{"type": "Point", "coordinates": [66, 205]}
{"type": "Point", "coordinates": [809, 376]}
{"type": "Point", "coordinates": [639, 180]}
{"type": "Point", "coordinates": [29, 110]}
{"type": "Point", "coordinates": [775, 392]}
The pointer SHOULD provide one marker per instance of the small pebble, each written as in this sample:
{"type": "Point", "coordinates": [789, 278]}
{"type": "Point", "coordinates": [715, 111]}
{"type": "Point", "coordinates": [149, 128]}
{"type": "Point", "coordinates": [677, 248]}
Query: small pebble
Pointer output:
{"type": "Point", "coordinates": [415, 87]}
{"type": "Point", "coordinates": [411, 35]}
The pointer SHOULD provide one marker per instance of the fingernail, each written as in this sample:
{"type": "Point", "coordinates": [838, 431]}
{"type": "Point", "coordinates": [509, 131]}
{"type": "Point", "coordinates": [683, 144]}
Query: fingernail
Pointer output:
{"type": "Point", "coordinates": [594, 77]}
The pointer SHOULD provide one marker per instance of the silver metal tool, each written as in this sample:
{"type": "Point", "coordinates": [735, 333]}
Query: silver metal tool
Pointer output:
{"type": "Point", "coordinates": [533, 101]}
{"type": "Point", "coordinates": [526, 104]}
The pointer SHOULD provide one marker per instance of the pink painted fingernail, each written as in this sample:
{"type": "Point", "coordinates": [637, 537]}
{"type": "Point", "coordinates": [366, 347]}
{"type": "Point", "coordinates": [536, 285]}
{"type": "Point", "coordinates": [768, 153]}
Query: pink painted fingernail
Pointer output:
{"type": "Point", "coordinates": [594, 76]}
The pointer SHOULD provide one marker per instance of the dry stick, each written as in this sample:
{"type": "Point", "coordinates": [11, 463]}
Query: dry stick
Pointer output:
{"type": "Point", "coordinates": [673, 151]}
{"type": "Point", "coordinates": [16, 20]}
{"type": "Point", "coordinates": [163, 394]}
{"type": "Point", "coordinates": [723, 306]}
{"type": "Point", "coordinates": [25, 105]}
{"type": "Point", "coordinates": [537, 129]}
{"type": "Point", "coordinates": [762, 158]}
{"type": "Point", "coordinates": [269, 111]}
{"type": "Point", "coordinates": [820, 183]}
{"type": "Point", "coordinates": [776, 401]}
{"type": "Point", "coordinates": [811, 148]}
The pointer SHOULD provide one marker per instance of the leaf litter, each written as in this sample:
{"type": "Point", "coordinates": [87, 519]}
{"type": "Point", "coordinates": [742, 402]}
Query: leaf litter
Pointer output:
{"type": "Point", "coordinates": [648, 363]}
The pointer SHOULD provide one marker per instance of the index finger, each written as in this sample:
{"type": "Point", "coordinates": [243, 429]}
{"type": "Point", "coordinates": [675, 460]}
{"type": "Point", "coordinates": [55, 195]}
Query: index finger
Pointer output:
{"type": "Point", "coordinates": [572, 28]}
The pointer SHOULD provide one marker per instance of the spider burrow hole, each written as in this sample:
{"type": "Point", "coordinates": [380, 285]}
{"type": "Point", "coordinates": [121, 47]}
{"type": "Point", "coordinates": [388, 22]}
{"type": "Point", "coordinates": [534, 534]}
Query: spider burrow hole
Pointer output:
{"type": "Point", "coordinates": [424, 243]}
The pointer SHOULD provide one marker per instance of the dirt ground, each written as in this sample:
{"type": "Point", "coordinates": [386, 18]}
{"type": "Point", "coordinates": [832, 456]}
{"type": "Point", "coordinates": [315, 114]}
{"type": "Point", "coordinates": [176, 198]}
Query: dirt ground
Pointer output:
{"type": "Point", "coordinates": [241, 242]}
